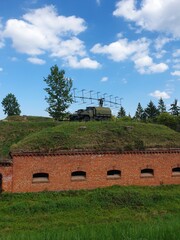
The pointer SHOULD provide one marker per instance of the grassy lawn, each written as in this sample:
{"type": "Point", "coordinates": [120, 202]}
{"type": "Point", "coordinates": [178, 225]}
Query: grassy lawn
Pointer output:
{"type": "Point", "coordinates": [109, 213]}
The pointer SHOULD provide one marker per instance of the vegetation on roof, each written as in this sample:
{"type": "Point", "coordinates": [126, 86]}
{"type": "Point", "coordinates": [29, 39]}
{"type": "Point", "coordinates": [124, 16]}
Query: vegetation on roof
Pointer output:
{"type": "Point", "coordinates": [12, 130]}
{"type": "Point", "coordinates": [106, 135]}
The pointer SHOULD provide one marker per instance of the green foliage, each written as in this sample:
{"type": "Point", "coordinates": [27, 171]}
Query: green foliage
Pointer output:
{"type": "Point", "coordinates": [58, 90]}
{"type": "Point", "coordinates": [175, 109]}
{"type": "Point", "coordinates": [168, 120]}
{"type": "Point", "coordinates": [11, 105]}
{"type": "Point", "coordinates": [151, 111]}
{"type": "Point", "coordinates": [116, 212]}
{"type": "Point", "coordinates": [121, 113]}
{"type": "Point", "coordinates": [139, 112]}
{"type": "Point", "coordinates": [161, 106]}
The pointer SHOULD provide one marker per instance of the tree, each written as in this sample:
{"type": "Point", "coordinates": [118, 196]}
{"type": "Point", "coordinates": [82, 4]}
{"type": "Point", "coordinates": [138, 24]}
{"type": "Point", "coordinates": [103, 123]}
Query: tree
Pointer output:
{"type": "Point", "coordinates": [161, 106]}
{"type": "Point", "coordinates": [175, 109]}
{"type": "Point", "coordinates": [59, 96]}
{"type": "Point", "coordinates": [11, 105]}
{"type": "Point", "coordinates": [121, 113]}
{"type": "Point", "coordinates": [151, 111]}
{"type": "Point", "coordinates": [139, 112]}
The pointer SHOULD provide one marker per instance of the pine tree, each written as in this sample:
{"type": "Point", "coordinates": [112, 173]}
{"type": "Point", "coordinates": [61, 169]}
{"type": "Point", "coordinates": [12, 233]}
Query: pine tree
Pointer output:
{"type": "Point", "coordinates": [59, 96]}
{"type": "Point", "coordinates": [139, 112]}
{"type": "Point", "coordinates": [121, 113]}
{"type": "Point", "coordinates": [161, 106]}
{"type": "Point", "coordinates": [11, 105]}
{"type": "Point", "coordinates": [151, 111]}
{"type": "Point", "coordinates": [175, 109]}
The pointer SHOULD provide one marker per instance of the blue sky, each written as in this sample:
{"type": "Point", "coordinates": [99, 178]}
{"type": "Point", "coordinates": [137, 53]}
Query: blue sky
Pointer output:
{"type": "Point", "coordinates": [127, 49]}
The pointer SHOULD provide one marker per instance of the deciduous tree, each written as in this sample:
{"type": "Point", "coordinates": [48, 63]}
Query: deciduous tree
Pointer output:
{"type": "Point", "coordinates": [59, 96]}
{"type": "Point", "coordinates": [11, 105]}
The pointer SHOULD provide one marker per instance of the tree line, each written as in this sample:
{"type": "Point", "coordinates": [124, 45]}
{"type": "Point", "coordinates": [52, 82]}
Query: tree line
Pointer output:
{"type": "Point", "coordinates": [59, 98]}
{"type": "Point", "coordinates": [153, 114]}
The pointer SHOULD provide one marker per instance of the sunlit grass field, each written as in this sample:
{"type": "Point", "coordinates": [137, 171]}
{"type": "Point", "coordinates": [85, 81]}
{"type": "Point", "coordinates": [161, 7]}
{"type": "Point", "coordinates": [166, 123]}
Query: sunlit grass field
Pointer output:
{"type": "Point", "coordinates": [108, 213]}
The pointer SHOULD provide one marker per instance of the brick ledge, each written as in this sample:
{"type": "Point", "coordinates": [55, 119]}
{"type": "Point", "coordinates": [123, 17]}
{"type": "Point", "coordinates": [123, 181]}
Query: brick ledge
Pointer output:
{"type": "Point", "coordinates": [93, 152]}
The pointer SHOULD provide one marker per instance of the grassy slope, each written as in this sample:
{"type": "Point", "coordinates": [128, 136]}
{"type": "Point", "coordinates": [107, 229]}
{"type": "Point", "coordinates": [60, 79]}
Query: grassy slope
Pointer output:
{"type": "Point", "coordinates": [13, 131]}
{"type": "Point", "coordinates": [117, 135]}
{"type": "Point", "coordinates": [109, 213]}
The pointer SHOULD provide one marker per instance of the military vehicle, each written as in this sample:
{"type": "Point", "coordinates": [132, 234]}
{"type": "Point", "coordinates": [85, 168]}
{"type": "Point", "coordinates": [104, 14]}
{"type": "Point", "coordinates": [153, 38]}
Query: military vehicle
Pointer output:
{"type": "Point", "coordinates": [91, 113]}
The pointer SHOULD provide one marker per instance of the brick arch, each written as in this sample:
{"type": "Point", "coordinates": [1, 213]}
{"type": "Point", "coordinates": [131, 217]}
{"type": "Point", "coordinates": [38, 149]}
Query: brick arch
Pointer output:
{"type": "Point", "coordinates": [40, 177]}
{"type": "Point", "coordinates": [113, 173]}
{"type": "Point", "coordinates": [147, 172]}
{"type": "Point", "coordinates": [78, 175]}
{"type": "Point", "coordinates": [176, 170]}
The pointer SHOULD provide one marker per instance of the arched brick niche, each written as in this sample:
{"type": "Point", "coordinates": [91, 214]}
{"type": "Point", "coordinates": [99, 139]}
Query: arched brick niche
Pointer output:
{"type": "Point", "coordinates": [113, 174]}
{"type": "Point", "coordinates": [40, 177]}
{"type": "Point", "coordinates": [78, 175]}
{"type": "Point", "coordinates": [176, 171]}
{"type": "Point", "coordinates": [147, 172]}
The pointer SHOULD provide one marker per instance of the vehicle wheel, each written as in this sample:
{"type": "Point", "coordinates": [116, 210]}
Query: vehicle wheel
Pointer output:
{"type": "Point", "coordinates": [86, 118]}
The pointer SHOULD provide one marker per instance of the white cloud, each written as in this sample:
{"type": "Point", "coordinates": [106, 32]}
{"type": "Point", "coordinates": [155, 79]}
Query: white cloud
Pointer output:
{"type": "Point", "coordinates": [83, 63]}
{"type": "Point", "coordinates": [104, 79]}
{"type": "Point", "coordinates": [1, 69]}
{"type": "Point", "coordinates": [175, 73]}
{"type": "Point", "coordinates": [36, 60]}
{"type": "Point", "coordinates": [73, 47]}
{"type": "Point", "coordinates": [136, 51]}
{"type": "Point", "coordinates": [152, 15]}
{"type": "Point", "coordinates": [121, 49]}
{"type": "Point", "coordinates": [145, 65]}
{"type": "Point", "coordinates": [161, 41]}
{"type": "Point", "coordinates": [158, 94]}
{"type": "Point", "coordinates": [43, 31]}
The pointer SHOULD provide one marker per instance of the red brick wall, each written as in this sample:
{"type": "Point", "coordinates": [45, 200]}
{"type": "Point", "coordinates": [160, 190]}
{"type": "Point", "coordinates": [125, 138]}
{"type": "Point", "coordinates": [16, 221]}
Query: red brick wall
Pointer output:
{"type": "Point", "coordinates": [6, 173]}
{"type": "Point", "coordinates": [60, 167]}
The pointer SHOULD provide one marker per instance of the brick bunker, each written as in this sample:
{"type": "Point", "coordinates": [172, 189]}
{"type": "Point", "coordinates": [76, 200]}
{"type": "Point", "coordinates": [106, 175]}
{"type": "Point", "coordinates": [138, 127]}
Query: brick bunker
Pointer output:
{"type": "Point", "coordinates": [72, 170]}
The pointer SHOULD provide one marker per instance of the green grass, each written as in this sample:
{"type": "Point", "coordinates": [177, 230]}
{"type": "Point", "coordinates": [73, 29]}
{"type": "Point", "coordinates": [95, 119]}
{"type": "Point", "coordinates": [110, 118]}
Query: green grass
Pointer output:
{"type": "Point", "coordinates": [14, 131]}
{"type": "Point", "coordinates": [107, 135]}
{"type": "Point", "coordinates": [109, 213]}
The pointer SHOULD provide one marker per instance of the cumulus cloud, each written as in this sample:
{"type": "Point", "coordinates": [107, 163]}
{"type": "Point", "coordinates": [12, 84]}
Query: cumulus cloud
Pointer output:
{"type": "Point", "coordinates": [137, 51]}
{"type": "Point", "coordinates": [152, 15]}
{"type": "Point", "coordinates": [82, 63]}
{"type": "Point", "coordinates": [158, 94]}
{"type": "Point", "coordinates": [42, 30]}
{"type": "Point", "coordinates": [175, 73]}
{"type": "Point", "coordinates": [145, 65]}
{"type": "Point", "coordinates": [36, 60]}
{"type": "Point", "coordinates": [121, 49]}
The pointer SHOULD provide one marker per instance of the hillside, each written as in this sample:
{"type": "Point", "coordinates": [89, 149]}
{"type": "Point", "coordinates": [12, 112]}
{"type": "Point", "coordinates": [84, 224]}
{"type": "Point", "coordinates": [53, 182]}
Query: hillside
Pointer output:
{"type": "Point", "coordinates": [14, 129]}
{"type": "Point", "coordinates": [108, 135]}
